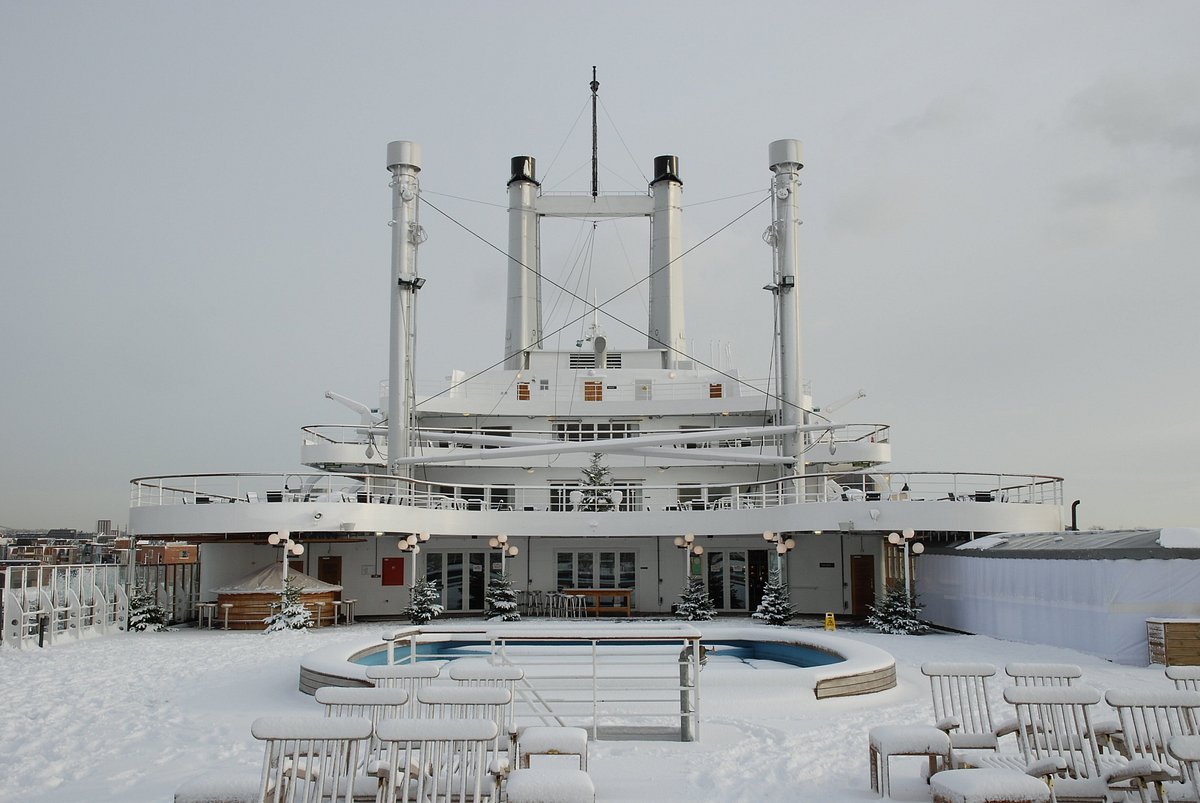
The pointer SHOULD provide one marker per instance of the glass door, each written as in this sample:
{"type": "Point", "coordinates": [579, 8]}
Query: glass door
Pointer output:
{"type": "Point", "coordinates": [461, 576]}
{"type": "Point", "coordinates": [599, 569]}
{"type": "Point", "coordinates": [735, 578]}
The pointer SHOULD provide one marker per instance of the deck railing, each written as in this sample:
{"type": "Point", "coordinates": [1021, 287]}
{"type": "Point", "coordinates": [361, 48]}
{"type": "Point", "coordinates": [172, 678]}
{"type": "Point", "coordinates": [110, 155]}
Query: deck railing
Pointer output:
{"type": "Point", "coordinates": [909, 486]}
{"type": "Point", "coordinates": [44, 604]}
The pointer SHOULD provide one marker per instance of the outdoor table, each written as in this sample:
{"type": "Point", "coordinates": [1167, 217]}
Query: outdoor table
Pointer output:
{"type": "Point", "coordinates": [597, 594]}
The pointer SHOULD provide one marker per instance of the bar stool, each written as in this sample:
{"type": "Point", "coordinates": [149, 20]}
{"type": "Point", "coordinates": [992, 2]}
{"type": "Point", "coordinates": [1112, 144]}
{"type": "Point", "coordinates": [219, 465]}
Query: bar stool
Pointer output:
{"type": "Point", "coordinates": [226, 607]}
{"type": "Point", "coordinates": [576, 606]}
{"type": "Point", "coordinates": [206, 610]}
{"type": "Point", "coordinates": [337, 608]}
{"type": "Point", "coordinates": [320, 611]}
{"type": "Point", "coordinates": [348, 604]}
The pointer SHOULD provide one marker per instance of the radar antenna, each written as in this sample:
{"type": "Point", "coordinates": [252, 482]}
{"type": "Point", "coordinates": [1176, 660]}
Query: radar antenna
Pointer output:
{"type": "Point", "coordinates": [595, 85]}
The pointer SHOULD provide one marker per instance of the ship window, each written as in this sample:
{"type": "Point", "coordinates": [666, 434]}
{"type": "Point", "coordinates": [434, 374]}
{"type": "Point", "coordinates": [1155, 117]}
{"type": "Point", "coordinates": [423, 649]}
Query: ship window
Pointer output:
{"type": "Point", "coordinates": [603, 430]}
{"type": "Point", "coordinates": [716, 390]}
{"type": "Point", "coordinates": [593, 390]}
{"type": "Point", "coordinates": [543, 384]}
{"type": "Point", "coordinates": [522, 391]}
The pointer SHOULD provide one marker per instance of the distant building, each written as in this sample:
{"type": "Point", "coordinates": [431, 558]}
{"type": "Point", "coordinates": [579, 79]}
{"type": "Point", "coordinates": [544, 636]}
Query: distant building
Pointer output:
{"type": "Point", "coordinates": [104, 527]}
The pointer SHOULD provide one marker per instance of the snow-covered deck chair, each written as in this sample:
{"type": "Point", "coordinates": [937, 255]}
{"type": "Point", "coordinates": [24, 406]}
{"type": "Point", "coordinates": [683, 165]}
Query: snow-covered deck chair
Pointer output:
{"type": "Point", "coordinates": [466, 673]}
{"type": "Point", "coordinates": [1058, 743]}
{"type": "Point", "coordinates": [370, 703]}
{"type": "Point", "coordinates": [1036, 674]}
{"type": "Point", "coordinates": [1185, 677]}
{"type": "Point", "coordinates": [449, 760]}
{"type": "Point", "coordinates": [470, 702]}
{"type": "Point", "coordinates": [410, 677]}
{"type": "Point", "coordinates": [1149, 719]}
{"type": "Point", "coordinates": [305, 759]}
{"type": "Point", "coordinates": [961, 707]}
{"type": "Point", "coordinates": [1186, 750]}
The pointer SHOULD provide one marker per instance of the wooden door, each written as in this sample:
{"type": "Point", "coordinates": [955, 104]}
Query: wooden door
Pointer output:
{"type": "Point", "coordinates": [862, 584]}
{"type": "Point", "coordinates": [329, 570]}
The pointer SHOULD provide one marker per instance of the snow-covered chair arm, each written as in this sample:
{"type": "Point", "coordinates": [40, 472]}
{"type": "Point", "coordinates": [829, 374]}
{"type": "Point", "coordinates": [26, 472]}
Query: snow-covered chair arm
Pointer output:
{"type": "Point", "coordinates": [1006, 726]}
{"type": "Point", "coordinates": [948, 724]}
{"type": "Point", "coordinates": [1045, 767]}
{"type": "Point", "coordinates": [1146, 769]}
{"type": "Point", "coordinates": [1108, 734]}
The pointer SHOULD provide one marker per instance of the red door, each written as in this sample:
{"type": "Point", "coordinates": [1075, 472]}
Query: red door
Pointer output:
{"type": "Point", "coordinates": [393, 571]}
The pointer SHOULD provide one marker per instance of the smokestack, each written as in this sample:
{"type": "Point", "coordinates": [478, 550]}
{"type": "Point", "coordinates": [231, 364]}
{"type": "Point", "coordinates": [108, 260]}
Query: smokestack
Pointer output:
{"type": "Point", "coordinates": [666, 327]}
{"type": "Point", "coordinates": [523, 318]}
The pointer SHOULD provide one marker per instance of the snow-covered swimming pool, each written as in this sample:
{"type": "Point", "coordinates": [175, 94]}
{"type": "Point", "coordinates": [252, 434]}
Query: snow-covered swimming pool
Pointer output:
{"type": "Point", "coordinates": [740, 649]}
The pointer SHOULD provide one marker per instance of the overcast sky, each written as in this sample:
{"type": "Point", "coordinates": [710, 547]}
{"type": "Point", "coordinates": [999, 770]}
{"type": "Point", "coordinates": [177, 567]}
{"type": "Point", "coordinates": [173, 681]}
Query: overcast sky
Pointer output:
{"type": "Point", "coordinates": [1000, 201]}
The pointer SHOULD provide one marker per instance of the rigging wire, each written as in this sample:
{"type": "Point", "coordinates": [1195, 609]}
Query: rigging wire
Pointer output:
{"type": "Point", "coordinates": [599, 307]}
{"type": "Point", "coordinates": [622, 140]}
{"type": "Point", "coordinates": [563, 144]}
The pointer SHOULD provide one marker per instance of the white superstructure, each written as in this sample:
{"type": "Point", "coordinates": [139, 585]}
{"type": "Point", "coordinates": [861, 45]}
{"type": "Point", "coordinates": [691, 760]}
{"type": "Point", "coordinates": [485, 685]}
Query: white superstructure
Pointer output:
{"type": "Point", "coordinates": [691, 450]}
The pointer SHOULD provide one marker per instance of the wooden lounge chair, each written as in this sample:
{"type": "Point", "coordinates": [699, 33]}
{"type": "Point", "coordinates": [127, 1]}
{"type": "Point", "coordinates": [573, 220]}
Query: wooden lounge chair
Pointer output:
{"type": "Point", "coordinates": [450, 757]}
{"type": "Point", "coordinates": [1059, 744]}
{"type": "Point", "coordinates": [409, 677]}
{"type": "Point", "coordinates": [1185, 677]}
{"type": "Point", "coordinates": [1036, 674]}
{"type": "Point", "coordinates": [1186, 750]}
{"type": "Point", "coordinates": [1149, 719]}
{"type": "Point", "coordinates": [961, 707]}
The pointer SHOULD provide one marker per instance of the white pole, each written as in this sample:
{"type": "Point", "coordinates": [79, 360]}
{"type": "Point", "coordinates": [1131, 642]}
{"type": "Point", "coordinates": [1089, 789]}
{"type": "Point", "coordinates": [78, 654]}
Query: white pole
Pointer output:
{"type": "Point", "coordinates": [785, 158]}
{"type": "Point", "coordinates": [404, 162]}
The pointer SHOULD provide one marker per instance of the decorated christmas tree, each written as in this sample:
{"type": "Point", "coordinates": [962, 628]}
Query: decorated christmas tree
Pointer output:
{"type": "Point", "coordinates": [695, 605]}
{"type": "Point", "coordinates": [896, 614]}
{"type": "Point", "coordinates": [775, 608]}
{"type": "Point", "coordinates": [501, 600]}
{"type": "Point", "coordinates": [292, 615]}
{"type": "Point", "coordinates": [597, 485]}
{"type": "Point", "coordinates": [145, 613]}
{"type": "Point", "coordinates": [426, 602]}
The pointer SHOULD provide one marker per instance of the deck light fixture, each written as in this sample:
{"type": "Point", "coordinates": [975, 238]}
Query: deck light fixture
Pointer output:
{"type": "Point", "coordinates": [896, 539]}
{"type": "Point", "coordinates": [507, 550]}
{"type": "Point", "coordinates": [409, 543]}
{"type": "Point", "coordinates": [782, 547]}
{"type": "Point", "coordinates": [290, 547]}
{"type": "Point", "coordinates": [686, 543]}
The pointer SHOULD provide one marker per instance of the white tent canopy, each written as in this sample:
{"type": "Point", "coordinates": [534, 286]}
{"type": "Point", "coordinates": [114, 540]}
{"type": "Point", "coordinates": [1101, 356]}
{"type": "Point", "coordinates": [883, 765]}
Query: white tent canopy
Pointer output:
{"type": "Point", "coordinates": [1086, 591]}
{"type": "Point", "coordinates": [269, 580]}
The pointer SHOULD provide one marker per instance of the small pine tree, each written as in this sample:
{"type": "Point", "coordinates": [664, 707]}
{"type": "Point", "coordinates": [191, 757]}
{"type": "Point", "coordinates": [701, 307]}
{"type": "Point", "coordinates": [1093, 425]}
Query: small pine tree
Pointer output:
{"type": "Point", "coordinates": [895, 614]}
{"type": "Point", "coordinates": [292, 615]}
{"type": "Point", "coordinates": [145, 613]}
{"type": "Point", "coordinates": [597, 485]}
{"type": "Point", "coordinates": [775, 608]}
{"type": "Point", "coordinates": [425, 603]}
{"type": "Point", "coordinates": [501, 600]}
{"type": "Point", "coordinates": [695, 604]}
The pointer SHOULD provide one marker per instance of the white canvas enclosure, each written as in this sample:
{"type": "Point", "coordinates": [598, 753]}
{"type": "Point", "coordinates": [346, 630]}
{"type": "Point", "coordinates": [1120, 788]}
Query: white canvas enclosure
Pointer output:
{"type": "Point", "coordinates": [1089, 591]}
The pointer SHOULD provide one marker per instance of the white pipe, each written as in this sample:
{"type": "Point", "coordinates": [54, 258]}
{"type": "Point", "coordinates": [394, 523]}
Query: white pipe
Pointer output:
{"type": "Point", "coordinates": [666, 269]}
{"type": "Point", "coordinates": [785, 159]}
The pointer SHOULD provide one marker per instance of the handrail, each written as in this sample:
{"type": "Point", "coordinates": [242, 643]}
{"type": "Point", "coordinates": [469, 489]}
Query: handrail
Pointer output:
{"type": "Point", "coordinates": [871, 486]}
{"type": "Point", "coordinates": [361, 435]}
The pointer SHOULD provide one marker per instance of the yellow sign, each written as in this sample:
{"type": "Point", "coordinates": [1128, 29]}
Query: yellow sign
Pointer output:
{"type": "Point", "coordinates": [830, 623]}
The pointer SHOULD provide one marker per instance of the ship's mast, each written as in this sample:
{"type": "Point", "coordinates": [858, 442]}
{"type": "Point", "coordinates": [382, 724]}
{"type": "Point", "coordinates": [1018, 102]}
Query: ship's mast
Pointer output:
{"type": "Point", "coordinates": [404, 163]}
{"type": "Point", "coordinates": [595, 85]}
{"type": "Point", "coordinates": [786, 161]}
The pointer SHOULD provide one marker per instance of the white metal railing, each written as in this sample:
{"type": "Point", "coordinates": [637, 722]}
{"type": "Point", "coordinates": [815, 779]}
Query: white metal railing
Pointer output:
{"type": "Point", "coordinates": [622, 677]}
{"type": "Point", "coordinates": [435, 437]}
{"type": "Point", "coordinates": [908, 486]}
{"type": "Point", "coordinates": [44, 604]}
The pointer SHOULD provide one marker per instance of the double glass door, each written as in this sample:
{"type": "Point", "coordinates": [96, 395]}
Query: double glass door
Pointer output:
{"type": "Point", "coordinates": [736, 578]}
{"type": "Point", "coordinates": [596, 569]}
{"type": "Point", "coordinates": [462, 577]}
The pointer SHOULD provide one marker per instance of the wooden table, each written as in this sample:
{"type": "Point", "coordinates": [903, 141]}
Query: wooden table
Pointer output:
{"type": "Point", "coordinates": [596, 594]}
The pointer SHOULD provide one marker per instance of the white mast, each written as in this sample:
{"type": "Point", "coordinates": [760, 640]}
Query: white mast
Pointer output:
{"type": "Point", "coordinates": [785, 158]}
{"type": "Point", "coordinates": [666, 269]}
{"type": "Point", "coordinates": [523, 325]}
{"type": "Point", "coordinates": [404, 162]}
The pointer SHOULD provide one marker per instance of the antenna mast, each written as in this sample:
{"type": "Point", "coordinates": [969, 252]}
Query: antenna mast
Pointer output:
{"type": "Point", "coordinates": [595, 85]}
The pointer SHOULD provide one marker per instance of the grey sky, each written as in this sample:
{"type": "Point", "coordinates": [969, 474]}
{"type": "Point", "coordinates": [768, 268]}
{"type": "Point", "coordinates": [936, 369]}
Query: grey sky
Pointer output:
{"type": "Point", "coordinates": [1000, 209]}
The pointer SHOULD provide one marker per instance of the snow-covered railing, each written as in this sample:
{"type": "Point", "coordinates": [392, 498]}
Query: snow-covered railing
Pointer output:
{"type": "Point", "coordinates": [909, 486]}
{"type": "Point", "coordinates": [44, 604]}
{"type": "Point", "coordinates": [596, 677]}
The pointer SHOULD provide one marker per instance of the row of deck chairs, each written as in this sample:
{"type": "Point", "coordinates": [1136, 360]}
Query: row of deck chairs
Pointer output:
{"type": "Point", "coordinates": [409, 740]}
{"type": "Point", "coordinates": [1150, 751]}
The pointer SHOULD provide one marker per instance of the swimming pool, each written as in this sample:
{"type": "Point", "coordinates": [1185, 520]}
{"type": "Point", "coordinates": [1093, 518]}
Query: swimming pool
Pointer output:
{"type": "Point", "coordinates": [741, 649]}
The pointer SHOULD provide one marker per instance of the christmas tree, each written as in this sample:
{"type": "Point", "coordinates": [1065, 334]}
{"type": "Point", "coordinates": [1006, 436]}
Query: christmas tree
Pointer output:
{"type": "Point", "coordinates": [597, 485]}
{"type": "Point", "coordinates": [775, 608]}
{"type": "Point", "coordinates": [501, 600]}
{"type": "Point", "coordinates": [426, 602]}
{"type": "Point", "coordinates": [897, 614]}
{"type": "Point", "coordinates": [292, 615]}
{"type": "Point", "coordinates": [145, 613]}
{"type": "Point", "coordinates": [695, 605]}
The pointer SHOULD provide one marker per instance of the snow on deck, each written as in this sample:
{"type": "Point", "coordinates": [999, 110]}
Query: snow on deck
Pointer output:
{"type": "Point", "coordinates": [130, 717]}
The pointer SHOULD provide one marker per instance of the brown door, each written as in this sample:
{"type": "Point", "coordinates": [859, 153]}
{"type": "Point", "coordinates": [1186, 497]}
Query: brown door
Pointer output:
{"type": "Point", "coordinates": [862, 584]}
{"type": "Point", "coordinates": [329, 570]}
{"type": "Point", "coordinates": [393, 571]}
